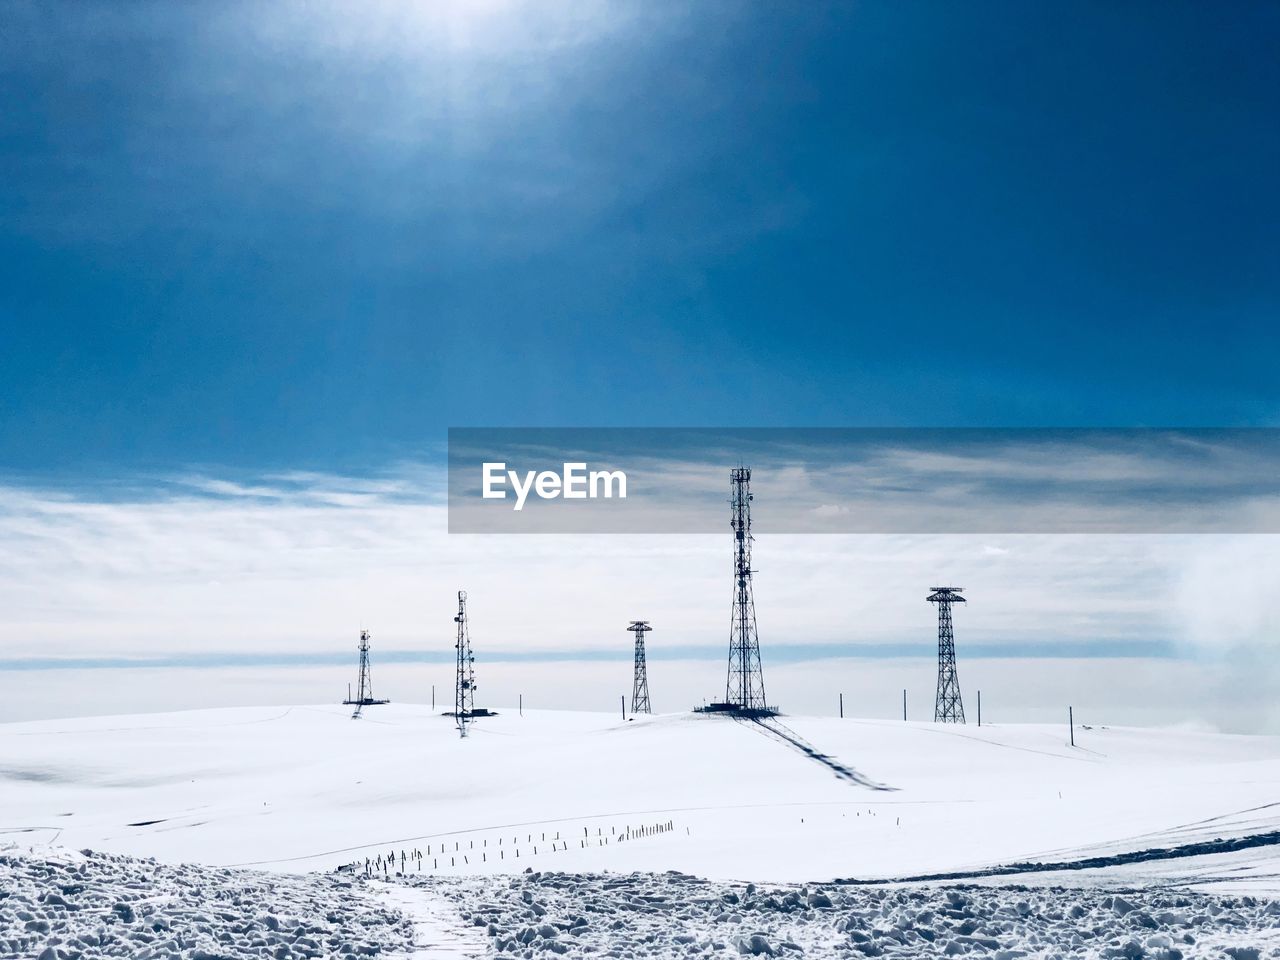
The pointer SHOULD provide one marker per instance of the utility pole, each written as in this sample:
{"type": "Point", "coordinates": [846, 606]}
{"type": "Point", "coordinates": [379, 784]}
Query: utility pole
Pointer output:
{"type": "Point", "coordinates": [842, 706]}
{"type": "Point", "coordinates": [1071, 724]}
{"type": "Point", "coordinates": [904, 704]}
{"type": "Point", "coordinates": [948, 708]}
{"type": "Point", "coordinates": [979, 708]}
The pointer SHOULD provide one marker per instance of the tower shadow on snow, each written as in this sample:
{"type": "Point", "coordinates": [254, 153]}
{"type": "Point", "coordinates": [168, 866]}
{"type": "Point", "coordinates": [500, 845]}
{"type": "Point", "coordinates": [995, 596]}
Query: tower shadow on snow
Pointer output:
{"type": "Point", "coordinates": [780, 733]}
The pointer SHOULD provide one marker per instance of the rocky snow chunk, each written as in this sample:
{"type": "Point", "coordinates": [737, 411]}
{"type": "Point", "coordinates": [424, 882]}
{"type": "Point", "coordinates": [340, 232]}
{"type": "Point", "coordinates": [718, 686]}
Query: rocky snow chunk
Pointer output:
{"type": "Point", "coordinates": [94, 905]}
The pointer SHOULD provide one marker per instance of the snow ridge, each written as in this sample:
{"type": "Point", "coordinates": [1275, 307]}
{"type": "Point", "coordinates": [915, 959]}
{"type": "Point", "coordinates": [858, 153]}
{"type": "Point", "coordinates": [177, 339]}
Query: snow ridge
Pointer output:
{"type": "Point", "coordinates": [92, 905]}
{"type": "Point", "coordinates": [674, 915]}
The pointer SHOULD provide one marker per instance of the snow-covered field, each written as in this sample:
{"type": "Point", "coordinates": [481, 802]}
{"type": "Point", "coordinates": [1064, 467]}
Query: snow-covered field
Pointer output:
{"type": "Point", "coordinates": [599, 809]}
{"type": "Point", "coordinates": [307, 788]}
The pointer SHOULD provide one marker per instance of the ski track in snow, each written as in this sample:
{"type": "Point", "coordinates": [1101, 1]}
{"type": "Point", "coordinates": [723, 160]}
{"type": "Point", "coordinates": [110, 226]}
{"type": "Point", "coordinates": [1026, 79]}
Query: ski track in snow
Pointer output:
{"type": "Point", "coordinates": [439, 930]}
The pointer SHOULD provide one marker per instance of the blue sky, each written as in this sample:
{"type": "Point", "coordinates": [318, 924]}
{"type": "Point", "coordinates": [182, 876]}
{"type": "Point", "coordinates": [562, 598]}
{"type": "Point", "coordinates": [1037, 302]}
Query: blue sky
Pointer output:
{"type": "Point", "coordinates": [316, 236]}
{"type": "Point", "coordinates": [255, 260]}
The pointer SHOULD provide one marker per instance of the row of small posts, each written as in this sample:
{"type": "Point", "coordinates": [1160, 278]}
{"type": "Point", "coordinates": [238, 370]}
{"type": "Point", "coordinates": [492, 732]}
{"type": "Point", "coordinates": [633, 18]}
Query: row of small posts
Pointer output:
{"type": "Point", "coordinates": [405, 861]}
{"type": "Point", "coordinates": [904, 706]}
{"type": "Point", "coordinates": [1071, 721]}
{"type": "Point", "coordinates": [1070, 713]}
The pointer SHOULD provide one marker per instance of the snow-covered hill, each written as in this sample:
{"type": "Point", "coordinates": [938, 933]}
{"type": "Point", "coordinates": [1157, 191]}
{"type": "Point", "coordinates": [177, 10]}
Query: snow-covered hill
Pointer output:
{"type": "Point", "coordinates": [307, 788]}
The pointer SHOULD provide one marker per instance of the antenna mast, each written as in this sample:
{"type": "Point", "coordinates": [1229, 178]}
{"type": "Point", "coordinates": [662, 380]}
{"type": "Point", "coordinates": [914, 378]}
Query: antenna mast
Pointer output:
{"type": "Point", "coordinates": [640, 682]}
{"type": "Point", "coordinates": [364, 687]}
{"type": "Point", "coordinates": [948, 708]}
{"type": "Point", "coordinates": [464, 694]}
{"type": "Point", "coordinates": [744, 689]}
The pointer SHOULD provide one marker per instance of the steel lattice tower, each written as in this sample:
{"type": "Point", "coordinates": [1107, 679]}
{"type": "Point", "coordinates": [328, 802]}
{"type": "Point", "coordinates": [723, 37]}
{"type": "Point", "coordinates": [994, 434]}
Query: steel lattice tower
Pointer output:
{"type": "Point", "coordinates": [640, 683]}
{"type": "Point", "coordinates": [744, 689]}
{"type": "Point", "coordinates": [364, 686]}
{"type": "Point", "coordinates": [948, 708]}
{"type": "Point", "coordinates": [464, 693]}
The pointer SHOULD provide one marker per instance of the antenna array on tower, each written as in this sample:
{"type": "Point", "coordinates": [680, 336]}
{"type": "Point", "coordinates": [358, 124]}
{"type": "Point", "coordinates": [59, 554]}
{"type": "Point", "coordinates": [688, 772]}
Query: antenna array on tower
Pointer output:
{"type": "Point", "coordinates": [744, 684]}
{"type": "Point", "coordinates": [744, 687]}
{"type": "Point", "coordinates": [464, 689]}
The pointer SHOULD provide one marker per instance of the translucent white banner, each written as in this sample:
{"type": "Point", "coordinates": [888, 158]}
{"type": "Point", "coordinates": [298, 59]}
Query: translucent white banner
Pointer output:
{"type": "Point", "coordinates": [828, 480]}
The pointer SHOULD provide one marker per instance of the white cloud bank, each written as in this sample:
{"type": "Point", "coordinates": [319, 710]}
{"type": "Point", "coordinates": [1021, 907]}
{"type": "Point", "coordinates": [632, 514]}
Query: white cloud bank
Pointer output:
{"type": "Point", "coordinates": [297, 564]}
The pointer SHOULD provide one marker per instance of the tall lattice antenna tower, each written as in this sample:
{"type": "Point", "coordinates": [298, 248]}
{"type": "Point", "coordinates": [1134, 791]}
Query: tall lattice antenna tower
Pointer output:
{"type": "Point", "coordinates": [744, 690]}
{"type": "Point", "coordinates": [464, 694]}
{"type": "Point", "coordinates": [364, 686]}
{"type": "Point", "coordinates": [640, 682]}
{"type": "Point", "coordinates": [948, 708]}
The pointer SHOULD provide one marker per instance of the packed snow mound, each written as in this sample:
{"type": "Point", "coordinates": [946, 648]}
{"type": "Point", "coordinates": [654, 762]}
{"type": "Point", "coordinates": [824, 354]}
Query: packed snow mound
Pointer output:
{"type": "Point", "coordinates": [795, 799]}
{"type": "Point", "coordinates": [91, 905]}
{"type": "Point", "coordinates": [678, 916]}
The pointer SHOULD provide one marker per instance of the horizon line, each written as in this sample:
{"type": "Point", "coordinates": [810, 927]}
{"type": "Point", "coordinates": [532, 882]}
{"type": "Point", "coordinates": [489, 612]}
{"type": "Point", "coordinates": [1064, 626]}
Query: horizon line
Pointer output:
{"type": "Point", "coordinates": [793, 653]}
